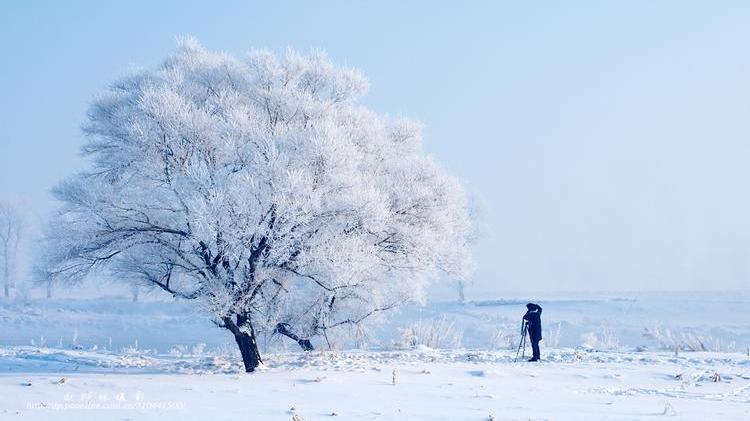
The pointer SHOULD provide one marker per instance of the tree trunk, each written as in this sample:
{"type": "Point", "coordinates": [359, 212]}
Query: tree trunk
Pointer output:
{"type": "Point", "coordinates": [249, 350]}
{"type": "Point", "coordinates": [247, 343]}
{"type": "Point", "coordinates": [6, 270]}
{"type": "Point", "coordinates": [14, 257]}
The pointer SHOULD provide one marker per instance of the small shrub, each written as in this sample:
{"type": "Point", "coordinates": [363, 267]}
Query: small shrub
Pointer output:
{"type": "Point", "coordinates": [604, 339]}
{"type": "Point", "coordinates": [504, 339]}
{"type": "Point", "coordinates": [436, 333]}
{"type": "Point", "coordinates": [685, 340]}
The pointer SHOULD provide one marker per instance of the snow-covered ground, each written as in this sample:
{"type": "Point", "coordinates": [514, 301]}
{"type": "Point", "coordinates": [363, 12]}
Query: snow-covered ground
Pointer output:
{"type": "Point", "coordinates": [605, 357]}
{"type": "Point", "coordinates": [429, 385]}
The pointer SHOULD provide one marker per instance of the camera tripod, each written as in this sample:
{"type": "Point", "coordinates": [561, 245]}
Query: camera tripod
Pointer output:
{"type": "Point", "coordinates": [524, 329]}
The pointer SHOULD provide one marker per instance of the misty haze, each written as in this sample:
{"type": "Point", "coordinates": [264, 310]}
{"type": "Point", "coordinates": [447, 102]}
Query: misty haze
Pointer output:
{"type": "Point", "coordinates": [480, 211]}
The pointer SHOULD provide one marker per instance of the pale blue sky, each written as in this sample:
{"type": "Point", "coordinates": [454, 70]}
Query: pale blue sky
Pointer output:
{"type": "Point", "coordinates": [608, 142]}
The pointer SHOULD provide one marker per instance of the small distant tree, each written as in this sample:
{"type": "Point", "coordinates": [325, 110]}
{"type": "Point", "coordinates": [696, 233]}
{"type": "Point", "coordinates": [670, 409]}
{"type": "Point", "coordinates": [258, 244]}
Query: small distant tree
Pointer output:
{"type": "Point", "coordinates": [461, 290]}
{"type": "Point", "coordinates": [262, 191]}
{"type": "Point", "coordinates": [12, 230]}
{"type": "Point", "coordinates": [48, 284]}
{"type": "Point", "coordinates": [134, 292]}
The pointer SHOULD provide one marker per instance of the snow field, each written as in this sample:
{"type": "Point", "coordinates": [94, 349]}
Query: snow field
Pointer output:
{"type": "Point", "coordinates": [429, 385]}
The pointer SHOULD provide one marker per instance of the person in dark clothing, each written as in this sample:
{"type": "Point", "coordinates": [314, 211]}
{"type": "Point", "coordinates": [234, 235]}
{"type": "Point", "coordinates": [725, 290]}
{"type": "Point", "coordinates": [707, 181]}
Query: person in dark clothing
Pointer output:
{"type": "Point", "coordinates": [533, 319]}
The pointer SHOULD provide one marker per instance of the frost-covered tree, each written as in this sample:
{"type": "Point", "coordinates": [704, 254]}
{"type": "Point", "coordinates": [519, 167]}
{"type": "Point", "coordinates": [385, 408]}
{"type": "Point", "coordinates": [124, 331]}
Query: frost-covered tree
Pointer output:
{"type": "Point", "coordinates": [261, 190]}
{"type": "Point", "coordinates": [12, 229]}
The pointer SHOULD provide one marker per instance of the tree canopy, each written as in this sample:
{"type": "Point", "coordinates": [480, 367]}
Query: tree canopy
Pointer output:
{"type": "Point", "coordinates": [262, 190]}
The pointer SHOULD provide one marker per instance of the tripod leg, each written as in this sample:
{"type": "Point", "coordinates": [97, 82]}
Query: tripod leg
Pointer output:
{"type": "Point", "coordinates": [523, 339]}
{"type": "Point", "coordinates": [519, 348]}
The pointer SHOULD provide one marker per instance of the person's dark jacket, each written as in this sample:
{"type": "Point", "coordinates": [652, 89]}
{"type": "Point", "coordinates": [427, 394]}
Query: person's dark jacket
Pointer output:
{"type": "Point", "coordinates": [534, 318]}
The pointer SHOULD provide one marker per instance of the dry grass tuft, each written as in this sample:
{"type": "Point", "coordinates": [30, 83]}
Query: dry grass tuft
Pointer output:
{"type": "Point", "coordinates": [669, 410]}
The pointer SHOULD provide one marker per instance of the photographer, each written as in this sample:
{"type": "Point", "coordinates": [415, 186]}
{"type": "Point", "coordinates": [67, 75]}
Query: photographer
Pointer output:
{"type": "Point", "coordinates": [534, 320]}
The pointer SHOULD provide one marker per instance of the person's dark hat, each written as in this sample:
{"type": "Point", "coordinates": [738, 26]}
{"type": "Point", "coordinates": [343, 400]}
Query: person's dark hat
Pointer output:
{"type": "Point", "coordinates": [529, 305]}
